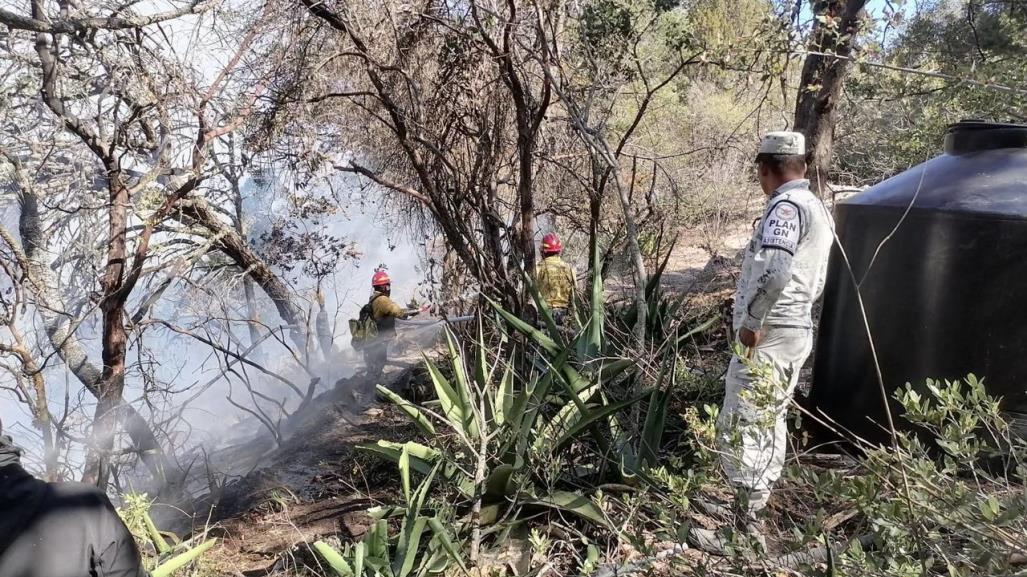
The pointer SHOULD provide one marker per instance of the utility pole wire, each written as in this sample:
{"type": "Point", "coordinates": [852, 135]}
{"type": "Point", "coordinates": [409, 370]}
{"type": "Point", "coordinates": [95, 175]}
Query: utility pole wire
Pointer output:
{"type": "Point", "coordinates": [928, 73]}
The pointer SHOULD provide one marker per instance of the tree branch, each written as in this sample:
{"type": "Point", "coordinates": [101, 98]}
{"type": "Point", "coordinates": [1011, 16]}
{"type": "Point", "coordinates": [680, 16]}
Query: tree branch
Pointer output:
{"type": "Point", "coordinates": [39, 23]}
{"type": "Point", "coordinates": [355, 168]}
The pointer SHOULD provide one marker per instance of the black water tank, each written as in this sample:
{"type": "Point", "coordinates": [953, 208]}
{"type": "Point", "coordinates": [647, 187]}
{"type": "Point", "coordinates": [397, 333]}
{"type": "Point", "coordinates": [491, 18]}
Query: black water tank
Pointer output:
{"type": "Point", "coordinates": [947, 293]}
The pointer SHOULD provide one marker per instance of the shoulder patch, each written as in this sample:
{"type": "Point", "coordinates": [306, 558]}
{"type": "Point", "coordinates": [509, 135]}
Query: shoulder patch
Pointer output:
{"type": "Point", "coordinates": [782, 226]}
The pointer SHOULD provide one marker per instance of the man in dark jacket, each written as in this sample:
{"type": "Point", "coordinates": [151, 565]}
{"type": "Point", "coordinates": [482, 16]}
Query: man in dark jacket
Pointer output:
{"type": "Point", "coordinates": [59, 529]}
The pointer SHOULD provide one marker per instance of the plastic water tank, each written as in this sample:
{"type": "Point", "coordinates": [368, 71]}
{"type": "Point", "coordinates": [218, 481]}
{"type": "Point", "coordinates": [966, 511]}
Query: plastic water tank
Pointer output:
{"type": "Point", "coordinates": [945, 294]}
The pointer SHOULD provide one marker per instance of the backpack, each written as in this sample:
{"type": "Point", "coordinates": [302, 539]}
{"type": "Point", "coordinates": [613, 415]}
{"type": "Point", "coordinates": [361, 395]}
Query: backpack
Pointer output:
{"type": "Point", "coordinates": [364, 329]}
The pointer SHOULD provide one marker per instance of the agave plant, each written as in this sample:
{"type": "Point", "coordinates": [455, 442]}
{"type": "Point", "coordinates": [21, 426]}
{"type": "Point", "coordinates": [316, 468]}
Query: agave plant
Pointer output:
{"type": "Point", "coordinates": [533, 401]}
{"type": "Point", "coordinates": [516, 407]}
{"type": "Point", "coordinates": [488, 430]}
{"type": "Point", "coordinates": [423, 545]}
{"type": "Point", "coordinates": [665, 326]}
{"type": "Point", "coordinates": [182, 558]}
{"type": "Point", "coordinates": [601, 360]}
{"type": "Point", "coordinates": [171, 557]}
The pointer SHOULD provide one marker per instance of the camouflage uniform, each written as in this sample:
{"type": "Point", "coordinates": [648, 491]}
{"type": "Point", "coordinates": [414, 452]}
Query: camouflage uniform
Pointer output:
{"type": "Point", "coordinates": [556, 285]}
{"type": "Point", "coordinates": [783, 273]}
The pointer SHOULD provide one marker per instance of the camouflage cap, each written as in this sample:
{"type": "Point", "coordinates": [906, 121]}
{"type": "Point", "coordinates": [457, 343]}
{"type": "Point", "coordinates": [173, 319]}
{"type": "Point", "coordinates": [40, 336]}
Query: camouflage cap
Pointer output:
{"type": "Point", "coordinates": [791, 143]}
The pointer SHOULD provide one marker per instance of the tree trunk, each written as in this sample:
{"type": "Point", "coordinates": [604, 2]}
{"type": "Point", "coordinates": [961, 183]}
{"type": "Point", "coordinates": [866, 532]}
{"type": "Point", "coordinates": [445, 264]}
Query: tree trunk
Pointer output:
{"type": "Point", "coordinates": [115, 337]}
{"type": "Point", "coordinates": [526, 148]}
{"type": "Point", "coordinates": [59, 330]}
{"type": "Point", "coordinates": [493, 226]}
{"type": "Point", "coordinates": [41, 409]}
{"type": "Point", "coordinates": [638, 264]}
{"type": "Point", "coordinates": [595, 208]}
{"type": "Point", "coordinates": [42, 417]}
{"type": "Point", "coordinates": [105, 425]}
{"type": "Point", "coordinates": [822, 81]}
{"type": "Point", "coordinates": [529, 113]}
{"type": "Point", "coordinates": [247, 282]}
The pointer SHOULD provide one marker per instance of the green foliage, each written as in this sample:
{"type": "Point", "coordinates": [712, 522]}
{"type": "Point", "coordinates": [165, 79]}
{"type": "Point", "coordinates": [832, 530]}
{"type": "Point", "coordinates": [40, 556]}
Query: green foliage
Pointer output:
{"type": "Point", "coordinates": [721, 25]}
{"type": "Point", "coordinates": [519, 425]}
{"type": "Point", "coordinates": [667, 324]}
{"type": "Point", "coordinates": [591, 342]}
{"type": "Point", "coordinates": [337, 562]}
{"type": "Point", "coordinates": [524, 419]}
{"type": "Point", "coordinates": [950, 499]}
{"type": "Point", "coordinates": [896, 119]}
{"type": "Point", "coordinates": [605, 25]}
{"type": "Point", "coordinates": [422, 546]}
{"type": "Point", "coordinates": [183, 559]}
{"type": "Point", "coordinates": [168, 558]}
{"type": "Point", "coordinates": [135, 512]}
{"type": "Point", "coordinates": [577, 504]}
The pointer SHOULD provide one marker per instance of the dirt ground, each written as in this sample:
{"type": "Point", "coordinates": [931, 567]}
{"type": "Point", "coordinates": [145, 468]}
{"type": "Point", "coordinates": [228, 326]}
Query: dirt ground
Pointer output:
{"type": "Point", "coordinates": [315, 485]}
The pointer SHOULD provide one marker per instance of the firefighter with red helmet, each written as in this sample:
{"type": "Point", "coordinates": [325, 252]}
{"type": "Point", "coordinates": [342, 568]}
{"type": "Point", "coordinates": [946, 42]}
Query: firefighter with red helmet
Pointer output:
{"type": "Point", "coordinates": [384, 311]}
{"type": "Point", "coordinates": [555, 278]}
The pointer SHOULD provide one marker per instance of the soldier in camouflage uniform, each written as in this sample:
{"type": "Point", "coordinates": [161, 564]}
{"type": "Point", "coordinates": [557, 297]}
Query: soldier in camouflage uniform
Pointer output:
{"type": "Point", "coordinates": [782, 275]}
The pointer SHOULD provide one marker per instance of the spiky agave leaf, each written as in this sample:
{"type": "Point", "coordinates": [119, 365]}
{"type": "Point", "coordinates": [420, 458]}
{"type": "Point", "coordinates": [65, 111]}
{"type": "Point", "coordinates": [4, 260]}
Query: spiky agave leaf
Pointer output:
{"type": "Point", "coordinates": [540, 338]}
{"type": "Point", "coordinates": [415, 414]}
{"type": "Point", "coordinates": [155, 535]}
{"type": "Point", "coordinates": [575, 503]}
{"type": "Point", "coordinates": [462, 387]}
{"type": "Point", "coordinates": [335, 561]}
{"type": "Point", "coordinates": [458, 413]}
{"type": "Point", "coordinates": [177, 562]}
{"type": "Point", "coordinates": [420, 455]}
{"type": "Point", "coordinates": [591, 341]}
{"type": "Point", "coordinates": [411, 529]}
{"type": "Point", "coordinates": [447, 542]}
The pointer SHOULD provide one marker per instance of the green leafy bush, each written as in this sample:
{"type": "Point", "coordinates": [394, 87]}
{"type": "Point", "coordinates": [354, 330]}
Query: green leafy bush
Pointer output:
{"type": "Point", "coordinates": [945, 500]}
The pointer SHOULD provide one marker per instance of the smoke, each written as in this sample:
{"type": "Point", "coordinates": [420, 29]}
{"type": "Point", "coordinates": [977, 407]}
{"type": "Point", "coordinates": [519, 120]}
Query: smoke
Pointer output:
{"type": "Point", "coordinates": [376, 241]}
{"type": "Point", "coordinates": [183, 385]}
{"type": "Point", "coordinates": [179, 383]}
{"type": "Point", "coordinates": [415, 337]}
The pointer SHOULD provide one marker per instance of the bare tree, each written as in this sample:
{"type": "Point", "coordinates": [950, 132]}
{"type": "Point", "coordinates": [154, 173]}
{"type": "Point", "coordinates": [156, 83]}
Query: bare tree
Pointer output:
{"type": "Point", "coordinates": [835, 31]}
{"type": "Point", "coordinates": [13, 302]}
{"type": "Point", "coordinates": [626, 64]}
{"type": "Point", "coordinates": [149, 129]}
{"type": "Point", "coordinates": [452, 105]}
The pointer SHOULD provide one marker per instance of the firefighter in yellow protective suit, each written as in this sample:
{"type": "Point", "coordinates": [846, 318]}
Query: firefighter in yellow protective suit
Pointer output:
{"type": "Point", "coordinates": [384, 311]}
{"type": "Point", "coordinates": [556, 280]}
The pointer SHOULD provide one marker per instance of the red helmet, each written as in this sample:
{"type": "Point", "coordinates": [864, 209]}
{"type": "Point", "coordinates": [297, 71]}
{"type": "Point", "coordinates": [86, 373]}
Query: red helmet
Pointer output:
{"type": "Point", "coordinates": [551, 243]}
{"type": "Point", "coordinates": [380, 278]}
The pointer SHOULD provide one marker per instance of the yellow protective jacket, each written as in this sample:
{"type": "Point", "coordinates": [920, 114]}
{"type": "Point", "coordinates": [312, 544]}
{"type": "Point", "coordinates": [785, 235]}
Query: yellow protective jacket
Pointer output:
{"type": "Point", "coordinates": [385, 311]}
{"type": "Point", "coordinates": [556, 282]}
